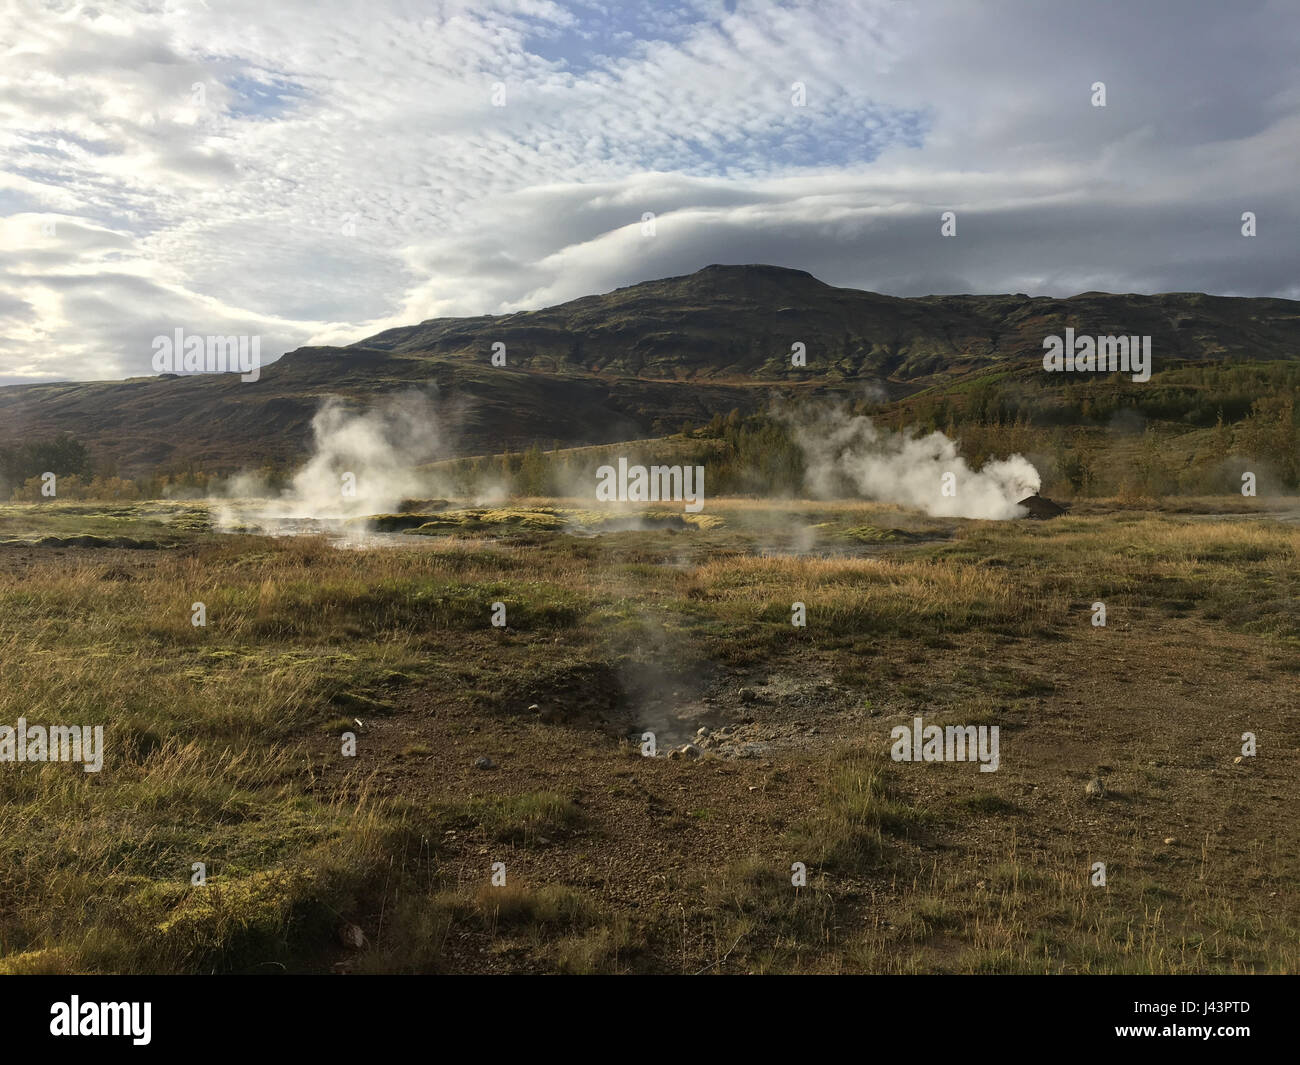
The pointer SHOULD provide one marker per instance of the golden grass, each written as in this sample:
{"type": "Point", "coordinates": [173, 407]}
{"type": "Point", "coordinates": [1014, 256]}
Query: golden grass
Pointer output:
{"type": "Point", "coordinates": [208, 729]}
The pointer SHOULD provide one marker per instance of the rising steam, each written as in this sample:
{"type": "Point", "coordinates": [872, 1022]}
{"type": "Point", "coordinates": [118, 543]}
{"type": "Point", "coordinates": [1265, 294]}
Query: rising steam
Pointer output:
{"type": "Point", "coordinates": [361, 463]}
{"type": "Point", "coordinates": [850, 452]}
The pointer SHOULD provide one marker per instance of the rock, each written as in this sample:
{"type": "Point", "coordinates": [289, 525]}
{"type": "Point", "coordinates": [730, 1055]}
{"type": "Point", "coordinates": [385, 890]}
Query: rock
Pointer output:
{"type": "Point", "coordinates": [1237, 760]}
{"type": "Point", "coordinates": [534, 709]}
{"type": "Point", "coordinates": [1170, 841]}
{"type": "Point", "coordinates": [747, 695]}
{"type": "Point", "coordinates": [1095, 788]}
{"type": "Point", "coordinates": [1042, 509]}
{"type": "Point", "coordinates": [686, 750]}
{"type": "Point", "coordinates": [352, 937]}
{"type": "Point", "coordinates": [484, 763]}
{"type": "Point", "coordinates": [701, 732]}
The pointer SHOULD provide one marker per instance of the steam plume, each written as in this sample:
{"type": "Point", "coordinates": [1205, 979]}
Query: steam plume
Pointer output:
{"type": "Point", "coordinates": [850, 452]}
{"type": "Point", "coordinates": [380, 450]}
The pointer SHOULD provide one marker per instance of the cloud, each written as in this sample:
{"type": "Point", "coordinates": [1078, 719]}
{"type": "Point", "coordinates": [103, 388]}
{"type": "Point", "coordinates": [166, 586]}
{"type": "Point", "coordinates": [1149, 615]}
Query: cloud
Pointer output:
{"type": "Point", "coordinates": [85, 305]}
{"type": "Point", "coordinates": [341, 167]}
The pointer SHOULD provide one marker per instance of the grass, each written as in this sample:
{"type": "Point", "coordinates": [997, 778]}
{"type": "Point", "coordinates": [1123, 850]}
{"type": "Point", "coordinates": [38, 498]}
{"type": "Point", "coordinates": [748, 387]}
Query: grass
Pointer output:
{"type": "Point", "coordinates": [220, 737]}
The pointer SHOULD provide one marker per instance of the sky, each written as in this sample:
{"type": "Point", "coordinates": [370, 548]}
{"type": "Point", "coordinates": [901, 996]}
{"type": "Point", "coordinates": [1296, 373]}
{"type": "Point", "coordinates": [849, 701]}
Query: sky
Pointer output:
{"type": "Point", "coordinates": [315, 171]}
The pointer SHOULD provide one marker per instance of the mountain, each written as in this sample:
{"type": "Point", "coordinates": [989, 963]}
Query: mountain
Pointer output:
{"type": "Point", "coordinates": [632, 363]}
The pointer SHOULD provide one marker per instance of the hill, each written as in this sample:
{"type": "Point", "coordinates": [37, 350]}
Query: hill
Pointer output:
{"type": "Point", "coordinates": [640, 361]}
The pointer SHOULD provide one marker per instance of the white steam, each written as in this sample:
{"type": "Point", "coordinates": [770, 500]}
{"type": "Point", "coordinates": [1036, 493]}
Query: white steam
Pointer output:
{"type": "Point", "coordinates": [361, 463]}
{"type": "Point", "coordinates": [842, 452]}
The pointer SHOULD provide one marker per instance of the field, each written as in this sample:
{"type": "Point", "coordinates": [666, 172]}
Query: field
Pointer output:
{"type": "Point", "coordinates": [522, 744]}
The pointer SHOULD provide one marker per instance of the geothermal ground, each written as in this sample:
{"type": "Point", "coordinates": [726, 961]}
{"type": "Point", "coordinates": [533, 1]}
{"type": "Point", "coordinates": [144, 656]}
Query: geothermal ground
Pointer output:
{"type": "Point", "coordinates": [516, 751]}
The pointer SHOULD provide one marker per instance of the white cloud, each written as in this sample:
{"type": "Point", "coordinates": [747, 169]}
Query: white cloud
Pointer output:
{"type": "Point", "coordinates": [341, 168]}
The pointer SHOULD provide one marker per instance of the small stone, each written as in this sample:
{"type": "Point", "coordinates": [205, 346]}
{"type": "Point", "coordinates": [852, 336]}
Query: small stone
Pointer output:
{"type": "Point", "coordinates": [534, 709]}
{"type": "Point", "coordinates": [686, 750]}
{"type": "Point", "coordinates": [352, 937]}
{"type": "Point", "coordinates": [1095, 788]}
{"type": "Point", "coordinates": [701, 732]}
{"type": "Point", "coordinates": [1170, 840]}
{"type": "Point", "coordinates": [1237, 760]}
{"type": "Point", "coordinates": [484, 763]}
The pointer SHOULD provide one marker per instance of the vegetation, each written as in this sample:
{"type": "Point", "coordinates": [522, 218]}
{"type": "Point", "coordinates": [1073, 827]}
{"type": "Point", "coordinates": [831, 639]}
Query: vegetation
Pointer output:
{"type": "Point", "coordinates": [224, 743]}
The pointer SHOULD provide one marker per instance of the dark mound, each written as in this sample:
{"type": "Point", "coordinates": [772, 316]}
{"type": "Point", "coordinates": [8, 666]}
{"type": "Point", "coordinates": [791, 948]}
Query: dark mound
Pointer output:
{"type": "Point", "coordinates": [1040, 509]}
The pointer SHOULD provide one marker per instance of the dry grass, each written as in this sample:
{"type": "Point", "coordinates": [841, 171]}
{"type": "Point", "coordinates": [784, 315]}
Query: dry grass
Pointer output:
{"type": "Point", "coordinates": [215, 738]}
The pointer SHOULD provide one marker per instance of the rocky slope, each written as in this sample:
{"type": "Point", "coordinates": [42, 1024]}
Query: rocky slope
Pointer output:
{"type": "Point", "coordinates": [629, 363]}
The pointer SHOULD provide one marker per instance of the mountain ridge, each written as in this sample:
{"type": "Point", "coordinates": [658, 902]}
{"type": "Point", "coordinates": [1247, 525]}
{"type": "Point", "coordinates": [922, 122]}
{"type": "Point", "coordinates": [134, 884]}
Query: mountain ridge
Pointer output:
{"type": "Point", "coordinates": [616, 365]}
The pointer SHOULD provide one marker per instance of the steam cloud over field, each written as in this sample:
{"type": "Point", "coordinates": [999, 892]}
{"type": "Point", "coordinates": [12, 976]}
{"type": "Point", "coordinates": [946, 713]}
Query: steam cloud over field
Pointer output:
{"type": "Point", "coordinates": [850, 452]}
{"type": "Point", "coordinates": [367, 462]}
{"type": "Point", "coordinates": [361, 463]}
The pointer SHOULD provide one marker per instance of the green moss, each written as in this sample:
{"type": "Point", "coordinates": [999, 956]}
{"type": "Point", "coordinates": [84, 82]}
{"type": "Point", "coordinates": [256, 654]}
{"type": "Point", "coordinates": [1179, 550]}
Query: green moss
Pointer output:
{"type": "Point", "coordinates": [870, 534]}
{"type": "Point", "coordinates": [234, 922]}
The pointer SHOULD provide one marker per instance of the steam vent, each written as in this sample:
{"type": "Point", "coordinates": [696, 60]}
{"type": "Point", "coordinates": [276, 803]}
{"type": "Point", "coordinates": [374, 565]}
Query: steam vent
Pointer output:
{"type": "Point", "coordinates": [1040, 509]}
